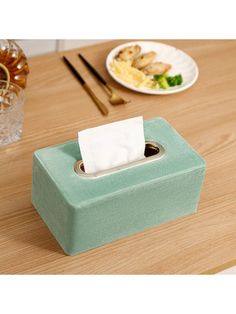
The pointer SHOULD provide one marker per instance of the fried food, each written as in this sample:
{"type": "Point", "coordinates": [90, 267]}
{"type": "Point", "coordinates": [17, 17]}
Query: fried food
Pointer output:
{"type": "Point", "coordinates": [129, 53]}
{"type": "Point", "coordinates": [156, 68]}
{"type": "Point", "coordinates": [129, 74]}
{"type": "Point", "coordinates": [143, 60]}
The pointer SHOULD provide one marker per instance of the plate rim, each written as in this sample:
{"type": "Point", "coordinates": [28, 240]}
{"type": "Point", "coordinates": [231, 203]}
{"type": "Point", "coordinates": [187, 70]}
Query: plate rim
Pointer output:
{"type": "Point", "coordinates": [147, 91]}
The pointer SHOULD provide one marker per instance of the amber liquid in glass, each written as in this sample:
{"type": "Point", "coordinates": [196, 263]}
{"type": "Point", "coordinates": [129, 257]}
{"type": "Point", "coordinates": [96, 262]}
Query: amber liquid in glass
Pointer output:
{"type": "Point", "coordinates": [16, 62]}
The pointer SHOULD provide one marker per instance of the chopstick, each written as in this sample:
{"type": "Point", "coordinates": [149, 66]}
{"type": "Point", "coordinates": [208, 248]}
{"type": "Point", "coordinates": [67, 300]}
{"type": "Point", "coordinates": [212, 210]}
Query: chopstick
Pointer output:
{"type": "Point", "coordinates": [114, 98]}
{"type": "Point", "coordinates": [96, 100]}
{"type": "Point", "coordinates": [93, 70]}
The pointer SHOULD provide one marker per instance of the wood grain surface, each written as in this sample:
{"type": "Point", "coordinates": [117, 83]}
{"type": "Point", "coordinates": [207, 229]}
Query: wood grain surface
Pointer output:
{"type": "Point", "coordinates": [57, 107]}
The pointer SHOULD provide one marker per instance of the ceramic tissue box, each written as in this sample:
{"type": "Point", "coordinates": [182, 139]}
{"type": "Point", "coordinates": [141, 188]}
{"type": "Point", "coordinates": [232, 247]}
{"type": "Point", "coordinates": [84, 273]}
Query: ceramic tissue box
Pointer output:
{"type": "Point", "coordinates": [86, 211]}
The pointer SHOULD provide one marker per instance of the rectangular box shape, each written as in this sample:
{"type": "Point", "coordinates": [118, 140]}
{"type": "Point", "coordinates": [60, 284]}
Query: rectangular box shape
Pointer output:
{"type": "Point", "coordinates": [84, 212]}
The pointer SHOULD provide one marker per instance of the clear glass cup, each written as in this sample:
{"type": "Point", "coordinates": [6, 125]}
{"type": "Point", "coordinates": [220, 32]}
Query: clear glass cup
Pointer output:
{"type": "Point", "coordinates": [11, 112]}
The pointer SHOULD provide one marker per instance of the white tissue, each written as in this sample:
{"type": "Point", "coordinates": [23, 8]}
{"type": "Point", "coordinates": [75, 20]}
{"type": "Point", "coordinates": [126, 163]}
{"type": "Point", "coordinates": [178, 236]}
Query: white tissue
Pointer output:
{"type": "Point", "coordinates": [112, 145]}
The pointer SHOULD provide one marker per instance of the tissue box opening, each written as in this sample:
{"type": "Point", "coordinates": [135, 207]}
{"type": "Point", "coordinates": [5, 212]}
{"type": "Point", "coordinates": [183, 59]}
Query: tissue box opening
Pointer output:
{"type": "Point", "coordinates": [152, 151]}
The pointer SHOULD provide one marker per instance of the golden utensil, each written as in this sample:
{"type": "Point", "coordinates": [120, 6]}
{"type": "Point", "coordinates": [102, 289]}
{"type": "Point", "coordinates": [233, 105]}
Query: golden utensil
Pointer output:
{"type": "Point", "coordinates": [114, 98]}
{"type": "Point", "coordinates": [96, 100]}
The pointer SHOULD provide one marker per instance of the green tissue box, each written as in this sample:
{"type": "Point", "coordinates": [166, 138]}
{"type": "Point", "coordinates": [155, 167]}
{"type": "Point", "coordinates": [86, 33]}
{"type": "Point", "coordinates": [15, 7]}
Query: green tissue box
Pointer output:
{"type": "Point", "coordinates": [86, 211]}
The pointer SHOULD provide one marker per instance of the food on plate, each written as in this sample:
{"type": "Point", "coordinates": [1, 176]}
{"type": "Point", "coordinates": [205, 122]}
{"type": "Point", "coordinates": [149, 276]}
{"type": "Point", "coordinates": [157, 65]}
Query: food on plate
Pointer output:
{"type": "Point", "coordinates": [175, 80]}
{"type": "Point", "coordinates": [156, 68]}
{"type": "Point", "coordinates": [143, 60]}
{"type": "Point", "coordinates": [165, 81]}
{"type": "Point", "coordinates": [162, 81]}
{"type": "Point", "coordinates": [143, 70]}
{"type": "Point", "coordinates": [131, 75]}
{"type": "Point", "coordinates": [129, 53]}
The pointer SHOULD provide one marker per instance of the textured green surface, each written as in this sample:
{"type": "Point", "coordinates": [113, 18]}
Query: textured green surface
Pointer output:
{"type": "Point", "coordinates": [84, 213]}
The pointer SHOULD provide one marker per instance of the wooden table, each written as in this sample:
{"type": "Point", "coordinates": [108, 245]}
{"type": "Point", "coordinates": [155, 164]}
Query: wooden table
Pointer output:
{"type": "Point", "coordinates": [57, 107]}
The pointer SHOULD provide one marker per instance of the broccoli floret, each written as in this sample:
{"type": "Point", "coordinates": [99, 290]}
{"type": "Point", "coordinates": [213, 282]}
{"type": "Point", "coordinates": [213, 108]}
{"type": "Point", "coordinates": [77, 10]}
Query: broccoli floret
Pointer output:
{"type": "Point", "coordinates": [156, 77]}
{"type": "Point", "coordinates": [175, 80]}
{"type": "Point", "coordinates": [166, 81]}
{"type": "Point", "coordinates": [162, 80]}
{"type": "Point", "coordinates": [179, 79]}
{"type": "Point", "coordinates": [163, 83]}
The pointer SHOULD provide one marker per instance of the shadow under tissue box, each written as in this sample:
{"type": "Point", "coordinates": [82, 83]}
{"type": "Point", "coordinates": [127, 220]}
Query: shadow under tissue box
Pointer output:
{"type": "Point", "coordinates": [85, 211]}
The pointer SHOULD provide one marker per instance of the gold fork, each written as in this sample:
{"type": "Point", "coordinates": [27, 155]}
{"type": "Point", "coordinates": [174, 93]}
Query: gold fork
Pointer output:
{"type": "Point", "coordinates": [114, 99]}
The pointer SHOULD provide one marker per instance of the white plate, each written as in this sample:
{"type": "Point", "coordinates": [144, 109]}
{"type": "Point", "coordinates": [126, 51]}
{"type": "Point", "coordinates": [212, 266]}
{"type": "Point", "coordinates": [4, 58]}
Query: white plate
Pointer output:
{"type": "Point", "coordinates": [180, 61]}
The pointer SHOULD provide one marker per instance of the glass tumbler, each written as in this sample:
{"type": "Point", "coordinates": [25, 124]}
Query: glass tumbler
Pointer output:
{"type": "Point", "coordinates": [11, 112]}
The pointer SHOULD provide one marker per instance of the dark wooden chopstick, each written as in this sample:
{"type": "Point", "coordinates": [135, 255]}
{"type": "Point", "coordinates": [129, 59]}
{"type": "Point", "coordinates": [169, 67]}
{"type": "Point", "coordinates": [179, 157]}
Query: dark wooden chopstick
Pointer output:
{"type": "Point", "coordinates": [114, 98]}
{"type": "Point", "coordinates": [93, 70]}
{"type": "Point", "coordinates": [96, 100]}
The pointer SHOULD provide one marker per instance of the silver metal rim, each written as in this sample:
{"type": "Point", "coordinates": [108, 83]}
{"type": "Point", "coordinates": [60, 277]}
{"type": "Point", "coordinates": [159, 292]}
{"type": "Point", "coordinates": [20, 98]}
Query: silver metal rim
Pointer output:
{"type": "Point", "coordinates": [78, 166]}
